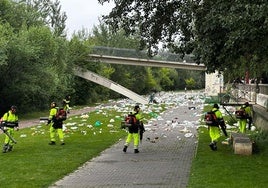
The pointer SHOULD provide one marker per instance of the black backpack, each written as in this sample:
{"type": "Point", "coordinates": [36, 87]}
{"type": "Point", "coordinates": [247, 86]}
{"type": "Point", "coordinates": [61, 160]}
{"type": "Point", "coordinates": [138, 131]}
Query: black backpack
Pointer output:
{"type": "Point", "coordinates": [129, 121]}
{"type": "Point", "coordinates": [241, 113]}
{"type": "Point", "coordinates": [61, 115]}
{"type": "Point", "coordinates": [211, 119]}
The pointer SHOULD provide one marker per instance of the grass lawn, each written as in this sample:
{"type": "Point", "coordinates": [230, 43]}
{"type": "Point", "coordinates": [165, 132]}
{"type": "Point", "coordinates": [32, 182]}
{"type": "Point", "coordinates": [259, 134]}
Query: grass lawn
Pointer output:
{"type": "Point", "coordinates": [223, 168]}
{"type": "Point", "coordinates": [34, 163]}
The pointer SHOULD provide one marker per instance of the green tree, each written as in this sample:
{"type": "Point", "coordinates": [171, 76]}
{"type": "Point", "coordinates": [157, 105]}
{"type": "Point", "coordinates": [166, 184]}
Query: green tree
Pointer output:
{"type": "Point", "coordinates": [51, 14]}
{"type": "Point", "coordinates": [231, 35]}
{"type": "Point", "coordinates": [220, 34]}
{"type": "Point", "coordinates": [35, 68]}
{"type": "Point", "coordinates": [124, 75]}
{"type": "Point", "coordinates": [33, 60]}
{"type": "Point", "coordinates": [190, 83]}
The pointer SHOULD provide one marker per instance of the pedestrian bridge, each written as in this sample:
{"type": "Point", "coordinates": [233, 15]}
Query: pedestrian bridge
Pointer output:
{"type": "Point", "coordinates": [214, 82]}
{"type": "Point", "coordinates": [136, 58]}
{"type": "Point", "coordinates": [146, 62]}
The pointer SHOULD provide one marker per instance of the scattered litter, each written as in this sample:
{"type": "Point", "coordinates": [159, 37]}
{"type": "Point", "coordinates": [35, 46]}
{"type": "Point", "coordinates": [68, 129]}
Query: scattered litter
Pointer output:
{"type": "Point", "coordinates": [192, 108]}
{"type": "Point", "coordinates": [187, 135]}
{"type": "Point", "coordinates": [84, 116]}
{"type": "Point", "coordinates": [70, 124]}
{"type": "Point", "coordinates": [168, 122]}
{"type": "Point", "coordinates": [84, 132]}
{"type": "Point", "coordinates": [113, 131]}
{"type": "Point", "coordinates": [89, 126]}
{"type": "Point", "coordinates": [110, 125]}
{"type": "Point", "coordinates": [253, 128]}
{"type": "Point", "coordinates": [185, 130]}
{"type": "Point", "coordinates": [97, 124]}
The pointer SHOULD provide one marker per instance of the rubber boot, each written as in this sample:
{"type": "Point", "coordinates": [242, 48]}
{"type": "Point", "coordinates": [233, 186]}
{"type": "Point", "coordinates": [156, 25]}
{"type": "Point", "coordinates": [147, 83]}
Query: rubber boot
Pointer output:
{"type": "Point", "coordinates": [9, 148]}
{"type": "Point", "coordinates": [215, 146]}
{"type": "Point", "coordinates": [136, 151]}
{"type": "Point", "coordinates": [211, 145]}
{"type": "Point", "coordinates": [52, 143]}
{"type": "Point", "coordinates": [5, 148]}
{"type": "Point", "coordinates": [125, 149]}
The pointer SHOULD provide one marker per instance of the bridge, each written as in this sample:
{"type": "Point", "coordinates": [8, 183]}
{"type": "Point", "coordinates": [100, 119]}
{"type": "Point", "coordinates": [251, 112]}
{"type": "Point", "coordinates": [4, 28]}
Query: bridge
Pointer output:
{"type": "Point", "coordinates": [141, 58]}
{"type": "Point", "coordinates": [88, 75]}
{"type": "Point", "coordinates": [145, 62]}
{"type": "Point", "coordinates": [214, 82]}
{"type": "Point", "coordinates": [133, 57]}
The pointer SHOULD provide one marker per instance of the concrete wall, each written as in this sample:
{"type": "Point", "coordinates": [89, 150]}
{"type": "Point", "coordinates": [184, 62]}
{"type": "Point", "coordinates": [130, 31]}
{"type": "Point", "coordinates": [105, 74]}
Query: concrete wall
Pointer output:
{"type": "Point", "coordinates": [214, 84]}
{"type": "Point", "coordinates": [262, 100]}
{"type": "Point", "coordinates": [260, 110]}
{"type": "Point", "coordinates": [260, 117]}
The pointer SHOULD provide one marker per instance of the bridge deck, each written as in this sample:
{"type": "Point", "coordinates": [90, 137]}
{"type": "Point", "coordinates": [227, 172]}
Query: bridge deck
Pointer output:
{"type": "Point", "coordinates": [146, 62]}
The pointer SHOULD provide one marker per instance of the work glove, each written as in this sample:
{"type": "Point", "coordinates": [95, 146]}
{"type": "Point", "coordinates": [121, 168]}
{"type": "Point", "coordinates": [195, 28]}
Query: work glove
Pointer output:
{"type": "Point", "coordinates": [48, 122]}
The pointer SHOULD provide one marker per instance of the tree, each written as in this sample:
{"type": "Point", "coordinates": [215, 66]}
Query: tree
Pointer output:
{"type": "Point", "coordinates": [33, 60]}
{"type": "Point", "coordinates": [49, 11]}
{"type": "Point", "coordinates": [230, 35]}
{"type": "Point", "coordinates": [190, 83]}
{"type": "Point", "coordinates": [218, 33]}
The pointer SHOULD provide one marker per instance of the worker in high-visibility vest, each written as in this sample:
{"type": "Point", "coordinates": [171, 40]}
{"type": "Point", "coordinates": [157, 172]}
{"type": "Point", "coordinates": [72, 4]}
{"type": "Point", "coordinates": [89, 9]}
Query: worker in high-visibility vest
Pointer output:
{"type": "Point", "coordinates": [10, 121]}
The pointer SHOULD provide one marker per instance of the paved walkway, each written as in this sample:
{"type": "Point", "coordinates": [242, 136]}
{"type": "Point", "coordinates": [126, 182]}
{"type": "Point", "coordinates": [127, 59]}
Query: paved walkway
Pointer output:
{"type": "Point", "coordinates": [164, 160]}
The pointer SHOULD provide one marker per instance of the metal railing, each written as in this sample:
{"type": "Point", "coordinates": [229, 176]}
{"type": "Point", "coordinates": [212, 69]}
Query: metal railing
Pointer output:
{"type": "Point", "coordinates": [141, 54]}
{"type": "Point", "coordinates": [243, 92]}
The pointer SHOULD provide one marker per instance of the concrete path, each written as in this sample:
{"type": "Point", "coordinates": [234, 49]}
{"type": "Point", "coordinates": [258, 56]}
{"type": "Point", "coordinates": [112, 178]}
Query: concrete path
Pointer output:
{"type": "Point", "coordinates": [164, 160]}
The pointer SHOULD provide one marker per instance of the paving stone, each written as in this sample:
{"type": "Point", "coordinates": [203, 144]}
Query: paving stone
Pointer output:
{"type": "Point", "coordinates": [164, 160]}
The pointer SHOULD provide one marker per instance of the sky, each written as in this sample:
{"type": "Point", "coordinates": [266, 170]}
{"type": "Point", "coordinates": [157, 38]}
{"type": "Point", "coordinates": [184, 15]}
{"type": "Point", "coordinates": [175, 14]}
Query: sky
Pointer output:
{"type": "Point", "coordinates": [83, 13]}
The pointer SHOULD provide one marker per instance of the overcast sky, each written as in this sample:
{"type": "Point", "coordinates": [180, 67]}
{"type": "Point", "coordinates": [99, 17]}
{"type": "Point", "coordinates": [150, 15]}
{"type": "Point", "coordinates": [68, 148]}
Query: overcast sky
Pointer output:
{"type": "Point", "coordinates": [83, 13]}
